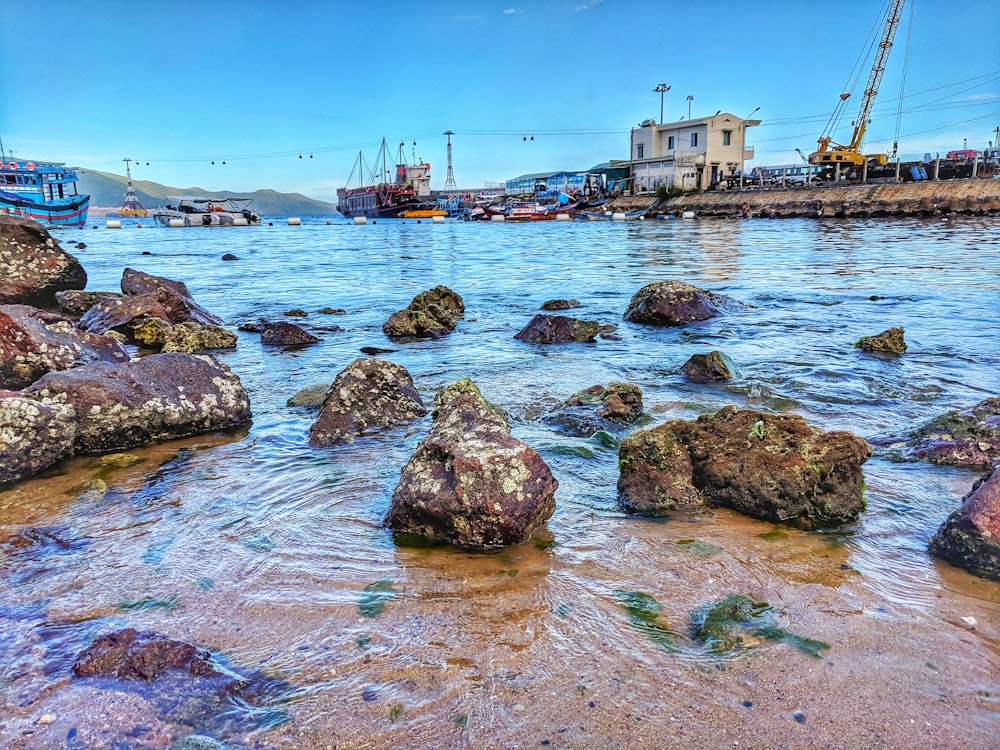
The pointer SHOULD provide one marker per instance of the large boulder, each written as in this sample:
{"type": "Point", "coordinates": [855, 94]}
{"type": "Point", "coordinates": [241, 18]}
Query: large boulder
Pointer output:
{"type": "Point", "coordinates": [431, 314]}
{"type": "Point", "coordinates": [368, 394]}
{"type": "Point", "coordinates": [770, 466]}
{"type": "Point", "coordinates": [970, 537]}
{"type": "Point", "coordinates": [32, 265]}
{"type": "Point", "coordinates": [597, 408]}
{"type": "Point", "coordinates": [674, 303]}
{"type": "Point", "coordinates": [471, 483]}
{"type": "Point", "coordinates": [560, 329]}
{"type": "Point", "coordinates": [159, 397]}
{"type": "Point", "coordinates": [969, 438]}
{"type": "Point", "coordinates": [34, 342]}
{"type": "Point", "coordinates": [33, 436]}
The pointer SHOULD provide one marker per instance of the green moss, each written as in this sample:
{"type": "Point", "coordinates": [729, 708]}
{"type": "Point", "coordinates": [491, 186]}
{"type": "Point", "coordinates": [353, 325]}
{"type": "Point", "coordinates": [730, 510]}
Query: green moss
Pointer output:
{"type": "Point", "coordinates": [644, 615]}
{"type": "Point", "coordinates": [699, 547]}
{"type": "Point", "coordinates": [723, 625]}
{"type": "Point", "coordinates": [168, 603]}
{"type": "Point", "coordinates": [374, 598]}
{"type": "Point", "coordinates": [757, 431]}
{"type": "Point", "coordinates": [774, 535]}
{"type": "Point", "coordinates": [396, 712]}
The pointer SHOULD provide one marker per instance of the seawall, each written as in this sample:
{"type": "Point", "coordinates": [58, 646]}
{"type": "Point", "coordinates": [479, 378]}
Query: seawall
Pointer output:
{"type": "Point", "coordinates": [888, 199]}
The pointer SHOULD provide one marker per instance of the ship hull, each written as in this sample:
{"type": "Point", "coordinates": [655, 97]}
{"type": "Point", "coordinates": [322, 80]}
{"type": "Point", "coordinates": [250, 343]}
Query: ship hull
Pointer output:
{"type": "Point", "coordinates": [70, 212]}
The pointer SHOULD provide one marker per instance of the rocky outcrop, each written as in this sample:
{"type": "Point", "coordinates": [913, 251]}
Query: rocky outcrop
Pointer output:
{"type": "Point", "coordinates": [674, 303]}
{"type": "Point", "coordinates": [970, 537]}
{"type": "Point", "coordinates": [33, 436]}
{"type": "Point", "coordinates": [32, 265]}
{"type": "Point", "coordinates": [598, 408]}
{"type": "Point", "coordinates": [75, 303]}
{"type": "Point", "coordinates": [34, 342]}
{"type": "Point", "coordinates": [770, 466]}
{"type": "Point", "coordinates": [470, 483]}
{"type": "Point", "coordinates": [969, 438]}
{"type": "Point", "coordinates": [192, 338]}
{"type": "Point", "coordinates": [889, 341]}
{"type": "Point", "coordinates": [431, 314]}
{"type": "Point", "coordinates": [369, 394]}
{"type": "Point", "coordinates": [560, 329]}
{"type": "Point", "coordinates": [704, 368]}
{"type": "Point", "coordinates": [559, 304]}
{"type": "Point", "coordinates": [159, 397]}
{"type": "Point", "coordinates": [130, 655]}
{"type": "Point", "coordinates": [285, 334]}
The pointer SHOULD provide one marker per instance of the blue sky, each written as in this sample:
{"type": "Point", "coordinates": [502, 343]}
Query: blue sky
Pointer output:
{"type": "Point", "coordinates": [179, 84]}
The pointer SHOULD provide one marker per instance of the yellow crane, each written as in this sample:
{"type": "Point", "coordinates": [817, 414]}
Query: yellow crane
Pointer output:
{"type": "Point", "coordinates": [830, 153]}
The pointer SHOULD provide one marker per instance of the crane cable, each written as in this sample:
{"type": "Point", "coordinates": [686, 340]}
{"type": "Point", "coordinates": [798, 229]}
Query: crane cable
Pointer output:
{"type": "Point", "coordinates": [902, 83]}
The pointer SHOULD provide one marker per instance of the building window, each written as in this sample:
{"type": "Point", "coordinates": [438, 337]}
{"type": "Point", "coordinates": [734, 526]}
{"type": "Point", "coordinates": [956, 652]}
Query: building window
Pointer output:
{"type": "Point", "coordinates": [694, 140]}
{"type": "Point", "coordinates": [638, 150]}
{"type": "Point", "coordinates": [670, 143]}
{"type": "Point", "coordinates": [727, 137]}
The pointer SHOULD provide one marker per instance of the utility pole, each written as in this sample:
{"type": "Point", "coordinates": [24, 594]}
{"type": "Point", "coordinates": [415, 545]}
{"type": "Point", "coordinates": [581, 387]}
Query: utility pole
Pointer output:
{"type": "Point", "coordinates": [661, 89]}
{"type": "Point", "coordinates": [690, 99]}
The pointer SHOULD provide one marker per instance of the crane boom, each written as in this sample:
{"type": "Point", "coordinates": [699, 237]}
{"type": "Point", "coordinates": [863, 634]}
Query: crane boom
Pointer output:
{"type": "Point", "coordinates": [851, 152]}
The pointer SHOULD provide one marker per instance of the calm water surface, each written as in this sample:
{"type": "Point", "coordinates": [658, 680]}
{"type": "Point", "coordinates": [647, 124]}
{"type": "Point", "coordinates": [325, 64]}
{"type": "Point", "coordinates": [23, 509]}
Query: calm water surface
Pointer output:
{"type": "Point", "coordinates": [271, 552]}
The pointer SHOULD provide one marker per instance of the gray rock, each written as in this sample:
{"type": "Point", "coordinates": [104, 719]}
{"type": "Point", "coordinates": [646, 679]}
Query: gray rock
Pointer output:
{"type": "Point", "coordinates": [674, 303]}
{"type": "Point", "coordinates": [704, 368]}
{"type": "Point", "coordinates": [33, 435]}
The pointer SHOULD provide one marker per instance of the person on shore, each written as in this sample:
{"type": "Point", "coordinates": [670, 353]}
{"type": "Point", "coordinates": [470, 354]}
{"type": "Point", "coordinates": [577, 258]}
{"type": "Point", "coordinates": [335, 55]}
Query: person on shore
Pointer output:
{"type": "Point", "coordinates": [745, 211]}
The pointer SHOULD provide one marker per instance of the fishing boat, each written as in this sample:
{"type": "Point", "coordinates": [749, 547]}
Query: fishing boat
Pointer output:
{"type": "Point", "coordinates": [530, 211]}
{"type": "Point", "coordinates": [43, 191]}
{"type": "Point", "coordinates": [379, 198]}
{"type": "Point", "coordinates": [196, 211]}
{"type": "Point", "coordinates": [617, 216]}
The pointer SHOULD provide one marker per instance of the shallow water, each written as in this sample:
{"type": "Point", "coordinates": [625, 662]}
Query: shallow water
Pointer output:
{"type": "Point", "coordinates": [271, 552]}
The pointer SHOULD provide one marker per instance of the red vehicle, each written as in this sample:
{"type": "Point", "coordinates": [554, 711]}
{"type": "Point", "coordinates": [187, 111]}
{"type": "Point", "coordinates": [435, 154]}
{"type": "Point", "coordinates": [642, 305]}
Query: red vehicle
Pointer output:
{"type": "Point", "coordinates": [963, 153]}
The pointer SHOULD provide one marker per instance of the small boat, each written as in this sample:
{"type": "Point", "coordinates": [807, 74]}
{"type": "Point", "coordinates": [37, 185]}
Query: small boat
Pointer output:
{"type": "Point", "coordinates": [196, 211]}
{"type": "Point", "coordinates": [422, 213]}
{"type": "Point", "coordinates": [43, 191]}
{"type": "Point", "coordinates": [617, 216]}
{"type": "Point", "coordinates": [378, 199]}
{"type": "Point", "coordinates": [530, 211]}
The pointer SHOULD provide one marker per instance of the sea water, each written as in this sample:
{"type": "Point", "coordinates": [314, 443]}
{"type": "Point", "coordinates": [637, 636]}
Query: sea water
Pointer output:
{"type": "Point", "coordinates": [272, 554]}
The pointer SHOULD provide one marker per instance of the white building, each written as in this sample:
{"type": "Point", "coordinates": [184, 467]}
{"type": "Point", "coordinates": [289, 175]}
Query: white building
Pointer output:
{"type": "Point", "coordinates": [689, 154]}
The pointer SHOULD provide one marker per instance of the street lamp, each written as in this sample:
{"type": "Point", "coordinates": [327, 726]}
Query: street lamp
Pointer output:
{"type": "Point", "coordinates": [661, 89]}
{"type": "Point", "coordinates": [690, 99]}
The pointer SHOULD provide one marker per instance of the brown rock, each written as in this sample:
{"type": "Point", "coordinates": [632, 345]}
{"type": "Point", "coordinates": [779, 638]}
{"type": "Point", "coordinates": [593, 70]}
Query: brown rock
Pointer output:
{"type": "Point", "coordinates": [470, 483]}
{"type": "Point", "coordinates": [431, 314]}
{"type": "Point", "coordinates": [285, 334]}
{"type": "Point", "coordinates": [599, 408]}
{"type": "Point", "coordinates": [889, 341]}
{"type": "Point", "coordinates": [368, 394]}
{"type": "Point", "coordinates": [704, 368]}
{"type": "Point", "coordinates": [970, 537]}
{"type": "Point", "coordinates": [159, 397]}
{"type": "Point", "coordinates": [131, 655]}
{"type": "Point", "coordinates": [558, 329]}
{"type": "Point", "coordinates": [35, 435]}
{"type": "Point", "coordinates": [674, 303]}
{"type": "Point", "coordinates": [75, 303]}
{"type": "Point", "coordinates": [34, 342]}
{"type": "Point", "coordinates": [32, 265]}
{"type": "Point", "coordinates": [559, 304]}
{"type": "Point", "coordinates": [192, 338]}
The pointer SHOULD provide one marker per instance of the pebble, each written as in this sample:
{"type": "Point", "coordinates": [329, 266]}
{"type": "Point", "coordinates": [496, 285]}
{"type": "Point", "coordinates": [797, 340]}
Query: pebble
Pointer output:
{"type": "Point", "coordinates": [970, 621]}
{"type": "Point", "coordinates": [46, 718]}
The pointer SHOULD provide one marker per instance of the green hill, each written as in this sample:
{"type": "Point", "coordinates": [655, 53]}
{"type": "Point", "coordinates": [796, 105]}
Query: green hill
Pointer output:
{"type": "Point", "coordinates": [108, 190]}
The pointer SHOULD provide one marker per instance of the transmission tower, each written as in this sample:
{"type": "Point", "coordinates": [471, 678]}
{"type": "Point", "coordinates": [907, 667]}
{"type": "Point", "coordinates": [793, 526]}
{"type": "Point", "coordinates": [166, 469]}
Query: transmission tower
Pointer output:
{"type": "Point", "coordinates": [449, 182]}
{"type": "Point", "coordinates": [132, 206]}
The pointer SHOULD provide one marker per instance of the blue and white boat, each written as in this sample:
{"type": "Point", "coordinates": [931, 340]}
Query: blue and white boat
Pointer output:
{"type": "Point", "coordinates": [43, 191]}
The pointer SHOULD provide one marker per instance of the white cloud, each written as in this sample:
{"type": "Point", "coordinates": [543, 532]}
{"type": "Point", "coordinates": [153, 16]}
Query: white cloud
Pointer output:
{"type": "Point", "coordinates": [467, 18]}
{"type": "Point", "coordinates": [588, 5]}
{"type": "Point", "coordinates": [512, 11]}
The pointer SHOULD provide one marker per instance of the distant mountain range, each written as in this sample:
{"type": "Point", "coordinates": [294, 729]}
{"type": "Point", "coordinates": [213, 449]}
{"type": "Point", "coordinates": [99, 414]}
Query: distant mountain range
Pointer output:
{"type": "Point", "coordinates": [107, 190]}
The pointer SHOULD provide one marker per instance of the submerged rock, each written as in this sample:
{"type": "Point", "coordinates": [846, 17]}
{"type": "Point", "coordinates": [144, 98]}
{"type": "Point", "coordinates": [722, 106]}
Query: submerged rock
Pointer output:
{"type": "Point", "coordinates": [969, 438]}
{"type": "Point", "coordinates": [431, 314]}
{"type": "Point", "coordinates": [674, 303]}
{"type": "Point", "coordinates": [368, 394]}
{"type": "Point", "coordinates": [285, 334]}
{"type": "Point", "coordinates": [598, 408]}
{"type": "Point", "coordinates": [889, 341]}
{"type": "Point", "coordinates": [311, 395]}
{"type": "Point", "coordinates": [470, 483]}
{"type": "Point", "coordinates": [559, 329]}
{"type": "Point", "coordinates": [970, 537]}
{"type": "Point", "coordinates": [32, 265]}
{"type": "Point", "coordinates": [559, 304]}
{"type": "Point", "coordinates": [770, 466]}
{"type": "Point", "coordinates": [704, 368]}
{"type": "Point", "coordinates": [159, 397]}
{"type": "Point", "coordinates": [131, 655]}
{"type": "Point", "coordinates": [33, 435]}
{"type": "Point", "coordinates": [34, 342]}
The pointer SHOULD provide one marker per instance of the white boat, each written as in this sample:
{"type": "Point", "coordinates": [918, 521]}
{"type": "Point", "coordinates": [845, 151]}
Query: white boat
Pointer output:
{"type": "Point", "coordinates": [195, 211]}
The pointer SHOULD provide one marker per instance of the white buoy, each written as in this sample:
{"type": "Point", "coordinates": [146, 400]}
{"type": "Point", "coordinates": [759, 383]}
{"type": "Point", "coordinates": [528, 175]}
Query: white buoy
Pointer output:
{"type": "Point", "coordinates": [360, 219]}
{"type": "Point", "coordinates": [618, 216]}
{"type": "Point", "coordinates": [687, 215]}
{"type": "Point", "coordinates": [294, 221]}
{"type": "Point", "coordinates": [438, 220]}
{"type": "Point", "coordinates": [562, 217]}
{"type": "Point", "coordinates": [499, 218]}
{"type": "Point", "coordinates": [176, 222]}
{"type": "Point", "coordinates": [113, 224]}
{"type": "Point", "coordinates": [239, 221]}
